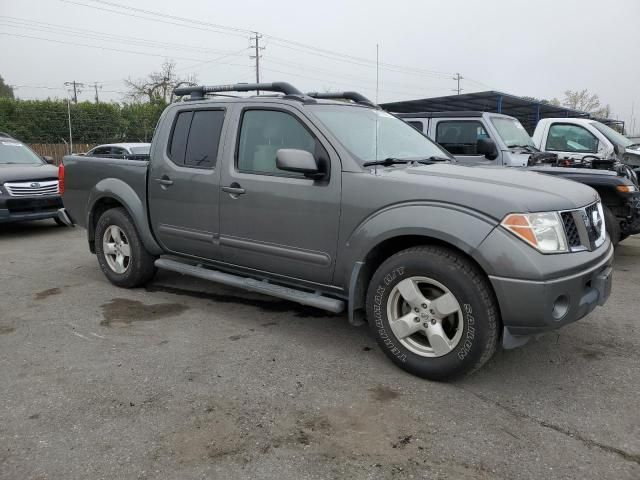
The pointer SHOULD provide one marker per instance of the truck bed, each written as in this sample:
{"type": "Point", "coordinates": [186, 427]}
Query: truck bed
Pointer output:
{"type": "Point", "coordinates": [88, 178]}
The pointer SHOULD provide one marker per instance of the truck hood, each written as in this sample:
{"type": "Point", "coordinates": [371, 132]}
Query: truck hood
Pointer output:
{"type": "Point", "coordinates": [19, 173]}
{"type": "Point", "coordinates": [494, 191]}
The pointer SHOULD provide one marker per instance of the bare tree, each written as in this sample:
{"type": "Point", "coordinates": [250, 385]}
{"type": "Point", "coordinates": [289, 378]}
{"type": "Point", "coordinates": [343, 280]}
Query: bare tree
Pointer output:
{"type": "Point", "coordinates": [158, 86]}
{"type": "Point", "coordinates": [584, 101]}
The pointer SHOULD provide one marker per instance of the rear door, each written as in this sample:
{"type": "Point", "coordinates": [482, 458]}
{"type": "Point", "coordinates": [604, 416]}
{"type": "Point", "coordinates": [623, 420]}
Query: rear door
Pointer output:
{"type": "Point", "coordinates": [276, 221]}
{"type": "Point", "coordinates": [184, 182]}
{"type": "Point", "coordinates": [460, 139]}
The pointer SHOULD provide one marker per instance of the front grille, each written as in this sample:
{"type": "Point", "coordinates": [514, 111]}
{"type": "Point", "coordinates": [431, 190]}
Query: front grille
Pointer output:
{"type": "Point", "coordinates": [584, 228]}
{"type": "Point", "coordinates": [573, 238]}
{"type": "Point", "coordinates": [31, 189]}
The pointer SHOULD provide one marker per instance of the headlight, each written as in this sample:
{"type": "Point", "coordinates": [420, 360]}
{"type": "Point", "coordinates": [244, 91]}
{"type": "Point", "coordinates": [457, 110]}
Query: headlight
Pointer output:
{"type": "Point", "coordinates": [626, 188]}
{"type": "Point", "coordinates": [543, 231]}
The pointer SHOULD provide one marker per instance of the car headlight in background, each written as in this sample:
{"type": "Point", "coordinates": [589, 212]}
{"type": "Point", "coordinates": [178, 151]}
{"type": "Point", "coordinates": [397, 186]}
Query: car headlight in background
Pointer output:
{"type": "Point", "coordinates": [543, 231]}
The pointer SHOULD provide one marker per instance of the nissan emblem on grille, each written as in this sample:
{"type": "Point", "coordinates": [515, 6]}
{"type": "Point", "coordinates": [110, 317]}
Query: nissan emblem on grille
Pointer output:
{"type": "Point", "coordinates": [35, 185]}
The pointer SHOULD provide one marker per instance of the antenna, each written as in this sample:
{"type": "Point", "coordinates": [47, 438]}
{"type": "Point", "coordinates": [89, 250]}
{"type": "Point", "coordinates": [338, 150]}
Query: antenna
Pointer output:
{"type": "Point", "coordinates": [377, 91]}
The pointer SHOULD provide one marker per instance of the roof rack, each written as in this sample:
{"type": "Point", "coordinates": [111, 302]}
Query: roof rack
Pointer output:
{"type": "Point", "coordinates": [198, 92]}
{"type": "Point", "coordinates": [354, 96]}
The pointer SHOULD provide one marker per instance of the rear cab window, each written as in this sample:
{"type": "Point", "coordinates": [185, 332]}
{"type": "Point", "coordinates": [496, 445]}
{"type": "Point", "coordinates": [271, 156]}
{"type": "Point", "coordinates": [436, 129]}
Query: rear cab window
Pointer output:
{"type": "Point", "coordinates": [195, 138]}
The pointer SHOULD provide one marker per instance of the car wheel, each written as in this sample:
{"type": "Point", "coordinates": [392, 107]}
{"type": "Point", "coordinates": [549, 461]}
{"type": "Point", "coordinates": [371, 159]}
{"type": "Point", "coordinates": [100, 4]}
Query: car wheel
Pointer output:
{"type": "Point", "coordinates": [59, 222]}
{"type": "Point", "coordinates": [612, 225]}
{"type": "Point", "coordinates": [433, 312]}
{"type": "Point", "coordinates": [121, 254]}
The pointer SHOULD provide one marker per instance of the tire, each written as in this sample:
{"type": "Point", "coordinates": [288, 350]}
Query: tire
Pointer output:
{"type": "Point", "coordinates": [612, 226]}
{"type": "Point", "coordinates": [58, 222]}
{"type": "Point", "coordinates": [472, 331]}
{"type": "Point", "coordinates": [135, 271]}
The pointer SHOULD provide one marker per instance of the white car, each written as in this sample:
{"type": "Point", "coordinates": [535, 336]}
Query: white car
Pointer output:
{"type": "Point", "coordinates": [119, 150]}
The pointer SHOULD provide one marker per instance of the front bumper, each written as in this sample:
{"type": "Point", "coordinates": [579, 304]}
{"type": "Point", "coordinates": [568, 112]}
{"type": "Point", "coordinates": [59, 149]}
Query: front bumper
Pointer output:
{"type": "Point", "coordinates": [530, 307]}
{"type": "Point", "coordinates": [17, 209]}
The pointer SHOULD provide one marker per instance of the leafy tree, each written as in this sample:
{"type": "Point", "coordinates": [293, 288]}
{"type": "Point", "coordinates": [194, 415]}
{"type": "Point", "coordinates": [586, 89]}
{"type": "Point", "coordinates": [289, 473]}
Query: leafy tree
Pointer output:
{"type": "Point", "coordinates": [584, 101]}
{"type": "Point", "coordinates": [553, 101]}
{"type": "Point", "coordinates": [158, 87]}
{"type": "Point", "coordinates": [6, 91]}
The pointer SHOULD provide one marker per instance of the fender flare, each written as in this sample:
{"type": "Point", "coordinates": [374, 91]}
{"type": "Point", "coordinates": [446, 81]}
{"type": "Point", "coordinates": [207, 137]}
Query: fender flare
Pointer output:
{"type": "Point", "coordinates": [460, 227]}
{"type": "Point", "coordinates": [113, 188]}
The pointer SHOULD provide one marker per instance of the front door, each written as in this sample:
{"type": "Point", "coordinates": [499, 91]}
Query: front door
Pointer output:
{"type": "Point", "coordinates": [460, 139]}
{"type": "Point", "coordinates": [184, 184]}
{"type": "Point", "coordinates": [276, 221]}
{"type": "Point", "coordinates": [570, 141]}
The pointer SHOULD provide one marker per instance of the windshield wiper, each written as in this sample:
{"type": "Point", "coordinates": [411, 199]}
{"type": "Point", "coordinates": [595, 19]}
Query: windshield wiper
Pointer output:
{"type": "Point", "coordinates": [530, 148]}
{"type": "Point", "coordinates": [387, 162]}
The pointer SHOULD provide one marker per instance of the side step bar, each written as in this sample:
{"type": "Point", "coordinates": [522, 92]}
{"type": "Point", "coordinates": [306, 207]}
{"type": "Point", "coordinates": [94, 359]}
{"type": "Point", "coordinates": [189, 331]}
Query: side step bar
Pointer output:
{"type": "Point", "coordinates": [252, 285]}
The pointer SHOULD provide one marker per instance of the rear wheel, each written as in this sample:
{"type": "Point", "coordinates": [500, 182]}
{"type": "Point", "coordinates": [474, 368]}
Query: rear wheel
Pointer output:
{"type": "Point", "coordinates": [121, 254]}
{"type": "Point", "coordinates": [433, 313]}
{"type": "Point", "coordinates": [612, 225]}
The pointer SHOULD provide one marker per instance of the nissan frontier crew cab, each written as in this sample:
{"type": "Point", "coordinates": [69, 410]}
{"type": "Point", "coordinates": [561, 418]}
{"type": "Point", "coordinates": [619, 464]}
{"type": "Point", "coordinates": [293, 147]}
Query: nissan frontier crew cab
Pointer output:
{"type": "Point", "coordinates": [344, 207]}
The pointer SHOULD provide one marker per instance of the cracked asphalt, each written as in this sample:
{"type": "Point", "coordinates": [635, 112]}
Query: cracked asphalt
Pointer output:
{"type": "Point", "coordinates": [191, 380]}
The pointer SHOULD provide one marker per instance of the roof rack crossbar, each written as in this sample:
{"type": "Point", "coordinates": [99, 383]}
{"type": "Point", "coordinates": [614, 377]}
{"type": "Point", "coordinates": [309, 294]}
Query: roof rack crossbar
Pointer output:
{"type": "Point", "coordinates": [198, 92]}
{"type": "Point", "coordinates": [354, 96]}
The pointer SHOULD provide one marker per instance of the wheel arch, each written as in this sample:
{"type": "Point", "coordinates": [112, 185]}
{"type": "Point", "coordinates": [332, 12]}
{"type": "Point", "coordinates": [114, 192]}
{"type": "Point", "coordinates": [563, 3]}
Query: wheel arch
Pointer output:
{"type": "Point", "coordinates": [114, 193]}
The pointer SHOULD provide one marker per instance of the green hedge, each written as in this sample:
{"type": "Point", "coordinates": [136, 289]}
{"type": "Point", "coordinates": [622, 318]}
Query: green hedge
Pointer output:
{"type": "Point", "coordinates": [45, 121]}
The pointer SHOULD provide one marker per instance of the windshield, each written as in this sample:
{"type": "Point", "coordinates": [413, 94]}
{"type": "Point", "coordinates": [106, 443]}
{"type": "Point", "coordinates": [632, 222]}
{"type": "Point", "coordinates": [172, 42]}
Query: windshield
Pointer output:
{"type": "Point", "coordinates": [612, 135]}
{"type": "Point", "coordinates": [140, 150]}
{"type": "Point", "coordinates": [512, 132]}
{"type": "Point", "coordinates": [371, 134]}
{"type": "Point", "coordinates": [14, 152]}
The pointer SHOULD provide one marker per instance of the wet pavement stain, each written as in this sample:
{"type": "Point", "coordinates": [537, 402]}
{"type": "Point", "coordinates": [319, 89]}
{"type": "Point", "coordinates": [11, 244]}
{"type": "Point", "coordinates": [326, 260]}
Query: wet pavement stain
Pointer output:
{"type": "Point", "coordinates": [300, 311]}
{"type": "Point", "coordinates": [5, 330]}
{"type": "Point", "coordinates": [383, 394]}
{"type": "Point", "coordinates": [122, 310]}
{"type": "Point", "coordinates": [47, 293]}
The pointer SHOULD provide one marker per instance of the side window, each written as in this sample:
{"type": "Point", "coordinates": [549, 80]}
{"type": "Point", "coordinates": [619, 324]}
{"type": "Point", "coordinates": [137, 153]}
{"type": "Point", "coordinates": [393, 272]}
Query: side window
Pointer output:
{"type": "Point", "coordinates": [196, 137]}
{"type": "Point", "coordinates": [178, 144]}
{"type": "Point", "coordinates": [101, 151]}
{"type": "Point", "coordinates": [460, 137]}
{"type": "Point", "coordinates": [415, 124]}
{"type": "Point", "coordinates": [263, 133]}
{"type": "Point", "coordinates": [204, 138]}
{"type": "Point", "coordinates": [571, 138]}
{"type": "Point", "coordinates": [118, 151]}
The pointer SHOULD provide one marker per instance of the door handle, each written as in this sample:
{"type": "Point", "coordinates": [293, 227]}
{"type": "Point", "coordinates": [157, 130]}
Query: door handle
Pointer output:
{"type": "Point", "coordinates": [164, 181]}
{"type": "Point", "coordinates": [233, 189]}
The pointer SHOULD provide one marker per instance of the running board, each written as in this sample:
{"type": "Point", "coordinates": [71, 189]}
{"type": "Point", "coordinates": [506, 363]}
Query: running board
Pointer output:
{"type": "Point", "coordinates": [253, 285]}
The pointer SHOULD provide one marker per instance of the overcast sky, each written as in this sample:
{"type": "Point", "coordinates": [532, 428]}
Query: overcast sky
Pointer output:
{"type": "Point", "coordinates": [535, 48]}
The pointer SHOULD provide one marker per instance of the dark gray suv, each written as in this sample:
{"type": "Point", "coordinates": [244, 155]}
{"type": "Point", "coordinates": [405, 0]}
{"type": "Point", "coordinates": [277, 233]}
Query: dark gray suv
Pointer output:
{"type": "Point", "coordinates": [28, 184]}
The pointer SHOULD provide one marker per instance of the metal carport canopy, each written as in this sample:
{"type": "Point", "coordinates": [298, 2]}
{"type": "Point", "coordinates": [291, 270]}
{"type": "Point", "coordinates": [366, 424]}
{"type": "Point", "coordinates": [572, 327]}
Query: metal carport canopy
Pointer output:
{"type": "Point", "coordinates": [527, 111]}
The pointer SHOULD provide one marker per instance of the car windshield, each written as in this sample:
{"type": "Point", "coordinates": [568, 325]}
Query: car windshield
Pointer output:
{"type": "Point", "coordinates": [612, 135]}
{"type": "Point", "coordinates": [144, 150]}
{"type": "Point", "coordinates": [14, 152]}
{"type": "Point", "coordinates": [512, 132]}
{"type": "Point", "coordinates": [370, 134]}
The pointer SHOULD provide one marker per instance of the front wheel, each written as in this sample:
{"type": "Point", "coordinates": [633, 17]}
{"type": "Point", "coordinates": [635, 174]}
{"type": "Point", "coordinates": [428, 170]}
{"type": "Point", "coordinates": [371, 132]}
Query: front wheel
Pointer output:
{"type": "Point", "coordinates": [121, 254]}
{"type": "Point", "coordinates": [433, 312]}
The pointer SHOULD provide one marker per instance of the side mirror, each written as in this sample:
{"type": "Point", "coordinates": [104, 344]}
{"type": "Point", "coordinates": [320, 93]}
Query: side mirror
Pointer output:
{"type": "Point", "coordinates": [49, 160]}
{"type": "Point", "coordinates": [618, 149]}
{"type": "Point", "coordinates": [299, 161]}
{"type": "Point", "coordinates": [487, 147]}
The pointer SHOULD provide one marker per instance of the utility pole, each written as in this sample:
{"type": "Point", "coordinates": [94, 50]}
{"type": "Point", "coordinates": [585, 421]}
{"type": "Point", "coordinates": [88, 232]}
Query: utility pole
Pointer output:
{"type": "Point", "coordinates": [70, 134]}
{"type": "Point", "coordinates": [256, 38]}
{"type": "Point", "coordinates": [77, 88]}
{"type": "Point", "coordinates": [458, 77]}
{"type": "Point", "coordinates": [95, 86]}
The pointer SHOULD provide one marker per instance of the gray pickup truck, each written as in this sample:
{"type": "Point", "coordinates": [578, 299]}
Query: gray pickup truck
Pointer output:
{"type": "Point", "coordinates": [342, 206]}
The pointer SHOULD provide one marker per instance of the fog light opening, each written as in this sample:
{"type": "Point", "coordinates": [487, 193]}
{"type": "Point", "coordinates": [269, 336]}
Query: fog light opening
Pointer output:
{"type": "Point", "coordinates": [560, 307]}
